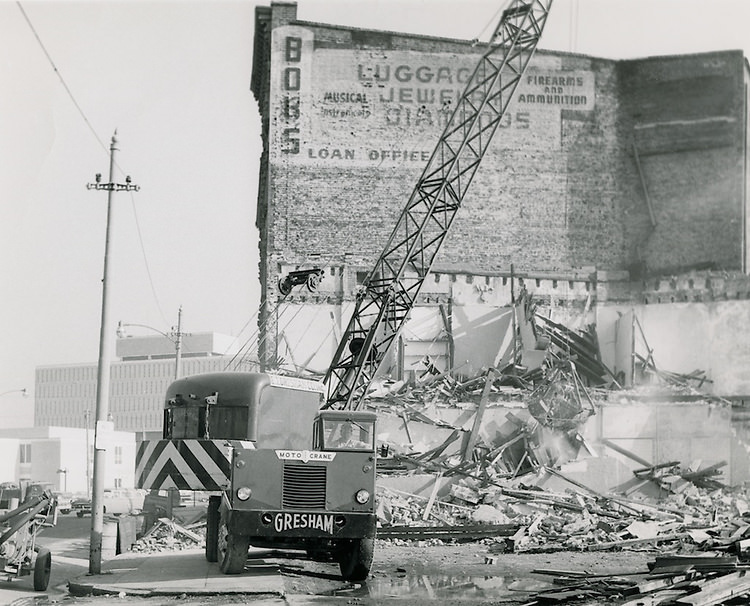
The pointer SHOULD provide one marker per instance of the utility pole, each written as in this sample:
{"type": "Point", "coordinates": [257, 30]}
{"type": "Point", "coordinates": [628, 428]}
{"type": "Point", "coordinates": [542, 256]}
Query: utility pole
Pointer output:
{"type": "Point", "coordinates": [103, 427]}
{"type": "Point", "coordinates": [87, 415]}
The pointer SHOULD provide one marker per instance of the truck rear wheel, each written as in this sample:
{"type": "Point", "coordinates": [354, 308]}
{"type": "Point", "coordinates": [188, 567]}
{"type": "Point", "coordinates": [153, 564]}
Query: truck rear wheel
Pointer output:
{"type": "Point", "coordinates": [355, 558]}
{"type": "Point", "coordinates": [212, 528]}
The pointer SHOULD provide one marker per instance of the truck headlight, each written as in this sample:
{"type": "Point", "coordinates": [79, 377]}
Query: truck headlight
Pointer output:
{"type": "Point", "coordinates": [362, 496]}
{"type": "Point", "coordinates": [244, 493]}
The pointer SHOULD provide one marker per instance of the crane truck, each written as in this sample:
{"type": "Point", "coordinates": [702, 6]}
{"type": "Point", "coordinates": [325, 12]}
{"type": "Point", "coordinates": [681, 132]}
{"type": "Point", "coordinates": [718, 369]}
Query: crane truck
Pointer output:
{"type": "Point", "coordinates": [294, 460]}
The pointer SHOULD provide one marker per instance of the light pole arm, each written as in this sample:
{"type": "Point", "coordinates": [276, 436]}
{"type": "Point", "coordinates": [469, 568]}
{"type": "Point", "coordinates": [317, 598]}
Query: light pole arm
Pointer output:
{"type": "Point", "coordinates": [23, 392]}
{"type": "Point", "coordinates": [122, 325]}
{"type": "Point", "coordinates": [175, 337]}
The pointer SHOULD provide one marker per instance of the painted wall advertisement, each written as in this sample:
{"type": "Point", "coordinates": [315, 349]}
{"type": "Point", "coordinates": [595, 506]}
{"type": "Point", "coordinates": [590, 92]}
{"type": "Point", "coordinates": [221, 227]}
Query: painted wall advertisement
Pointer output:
{"type": "Point", "coordinates": [376, 107]}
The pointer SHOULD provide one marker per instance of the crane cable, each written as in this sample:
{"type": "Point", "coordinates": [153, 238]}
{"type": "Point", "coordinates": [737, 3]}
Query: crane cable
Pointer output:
{"type": "Point", "coordinates": [574, 9]}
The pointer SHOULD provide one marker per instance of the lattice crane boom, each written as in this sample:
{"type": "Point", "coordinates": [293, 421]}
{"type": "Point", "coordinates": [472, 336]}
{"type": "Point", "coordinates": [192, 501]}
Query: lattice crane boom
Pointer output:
{"type": "Point", "coordinates": [390, 290]}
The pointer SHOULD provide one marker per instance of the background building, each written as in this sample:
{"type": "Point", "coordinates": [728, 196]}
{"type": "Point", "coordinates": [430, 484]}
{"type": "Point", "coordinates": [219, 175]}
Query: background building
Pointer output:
{"type": "Point", "coordinates": [614, 193]}
{"type": "Point", "coordinates": [58, 456]}
{"type": "Point", "coordinates": [65, 395]}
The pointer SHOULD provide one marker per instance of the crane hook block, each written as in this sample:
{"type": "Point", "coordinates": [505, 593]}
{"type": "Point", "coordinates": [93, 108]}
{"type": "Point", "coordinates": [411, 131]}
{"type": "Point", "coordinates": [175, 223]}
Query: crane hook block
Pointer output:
{"type": "Point", "coordinates": [310, 277]}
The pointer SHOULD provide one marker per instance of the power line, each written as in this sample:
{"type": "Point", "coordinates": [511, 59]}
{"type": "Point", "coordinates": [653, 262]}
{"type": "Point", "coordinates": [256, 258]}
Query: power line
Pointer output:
{"type": "Point", "coordinates": [145, 259]}
{"type": "Point", "coordinates": [104, 147]}
{"type": "Point", "coordinates": [62, 80]}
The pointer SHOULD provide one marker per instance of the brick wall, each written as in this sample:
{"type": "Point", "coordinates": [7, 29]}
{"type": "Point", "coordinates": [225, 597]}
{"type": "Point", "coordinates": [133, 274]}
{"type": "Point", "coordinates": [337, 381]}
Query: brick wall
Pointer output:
{"type": "Point", "coordinates": [562, 193]}
{"type": "Point", "coordinates": [684, 115]}
{"type": "Point", "coordinates": [350, 117]}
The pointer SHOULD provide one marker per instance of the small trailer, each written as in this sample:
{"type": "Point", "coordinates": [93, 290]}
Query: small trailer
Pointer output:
{"type": "Point", "coordinates": [19, 554]}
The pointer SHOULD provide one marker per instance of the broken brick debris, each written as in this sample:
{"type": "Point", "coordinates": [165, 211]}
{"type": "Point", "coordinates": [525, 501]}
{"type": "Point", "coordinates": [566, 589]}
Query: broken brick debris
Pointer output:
{"type": "Point", "coordinates": [168, 535]}
{"type": "Point", "coordinates": [497, 477]}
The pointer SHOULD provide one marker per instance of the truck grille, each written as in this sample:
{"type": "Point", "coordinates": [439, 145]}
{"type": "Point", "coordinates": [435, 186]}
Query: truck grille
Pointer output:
{"type": "Point", "coordinates": [304, 487]}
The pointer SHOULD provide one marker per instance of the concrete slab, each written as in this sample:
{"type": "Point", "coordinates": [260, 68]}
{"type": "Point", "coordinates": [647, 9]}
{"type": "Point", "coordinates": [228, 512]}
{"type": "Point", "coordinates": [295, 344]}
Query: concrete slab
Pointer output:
{"type": "Point", "coordinates": [177, 573]}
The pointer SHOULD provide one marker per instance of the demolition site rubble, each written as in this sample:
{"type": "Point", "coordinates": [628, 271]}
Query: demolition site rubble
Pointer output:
{"type": "Point", "coordinates": [503, 478]}
{"type": "Point", "coordinates": [496, 459]}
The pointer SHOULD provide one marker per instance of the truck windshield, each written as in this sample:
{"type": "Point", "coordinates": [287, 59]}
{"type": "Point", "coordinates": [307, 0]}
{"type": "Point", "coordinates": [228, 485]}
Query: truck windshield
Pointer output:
{"type": "Point", "coordinates": [347, 434]}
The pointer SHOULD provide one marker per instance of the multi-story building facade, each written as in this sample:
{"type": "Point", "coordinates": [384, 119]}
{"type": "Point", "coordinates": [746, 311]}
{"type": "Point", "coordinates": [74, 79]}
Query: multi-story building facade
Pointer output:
{"type": "Point", "coordinates": [615, 193]}
{"type": "Point", "coordinates": [65, 395]}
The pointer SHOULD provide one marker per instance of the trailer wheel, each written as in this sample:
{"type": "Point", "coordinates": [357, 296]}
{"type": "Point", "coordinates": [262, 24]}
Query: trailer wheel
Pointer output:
{"type": "Point", "coordinates": [212, 529]}
{"type": "Point", "coordinates": [42, 568]}
{"type": "Point", "coordinates": [355, 558]}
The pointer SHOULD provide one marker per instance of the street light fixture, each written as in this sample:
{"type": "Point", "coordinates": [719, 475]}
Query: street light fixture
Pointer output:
{"type": "Point", "coordinates": [175, 336]}
{"type": "Point", "coordinates": [23, 392]}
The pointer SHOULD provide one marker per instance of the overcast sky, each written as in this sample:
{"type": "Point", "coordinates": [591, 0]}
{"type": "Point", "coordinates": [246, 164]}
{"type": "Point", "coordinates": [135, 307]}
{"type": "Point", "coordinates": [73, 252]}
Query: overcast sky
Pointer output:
{"type": "Point", "coordinates": [173, 79]}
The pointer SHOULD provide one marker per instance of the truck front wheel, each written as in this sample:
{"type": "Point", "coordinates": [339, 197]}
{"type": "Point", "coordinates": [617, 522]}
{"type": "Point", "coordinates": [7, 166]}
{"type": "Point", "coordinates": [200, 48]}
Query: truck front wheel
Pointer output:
{"type": "Point", "coordinates": [355, 558]}
{"type": "Point", "coordinates": [232, 550]}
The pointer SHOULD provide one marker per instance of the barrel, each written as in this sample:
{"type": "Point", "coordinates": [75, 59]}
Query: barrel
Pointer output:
{"type": "Point", "coordinates": [109, 539]}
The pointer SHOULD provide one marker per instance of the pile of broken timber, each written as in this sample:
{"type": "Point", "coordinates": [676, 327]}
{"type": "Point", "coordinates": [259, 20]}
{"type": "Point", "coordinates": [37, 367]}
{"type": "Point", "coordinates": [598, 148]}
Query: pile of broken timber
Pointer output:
{"type": "Point", "coordinates": [168, 535]}
{"type": "Point", "coordinates": [560, 404]}
{"type": "Point", "coordinates": [524, 518]}
{"type": "Point", "coordinates": [581, 347]}
{"type": "Point", "coordinates": [671, 580]}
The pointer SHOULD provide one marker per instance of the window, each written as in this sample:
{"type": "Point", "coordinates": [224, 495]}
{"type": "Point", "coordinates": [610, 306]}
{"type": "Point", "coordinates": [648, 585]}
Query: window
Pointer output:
{"type": "Point", "coordinates": [25, 454]}
{"type": "Point", "coordinates": [118, 482]}
{"type": "Point", "coordinates": [348, 434]}
{"type": "Point", "coordinates": [118, 457]}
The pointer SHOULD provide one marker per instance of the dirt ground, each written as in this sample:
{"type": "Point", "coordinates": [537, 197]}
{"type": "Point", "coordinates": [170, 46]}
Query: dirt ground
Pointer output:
{"type": "Point", "coordinates": [420, 574]}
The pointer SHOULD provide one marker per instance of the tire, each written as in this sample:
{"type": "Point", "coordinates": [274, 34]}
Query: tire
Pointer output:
{"type": "Point", "coordinates": [231, 548]}
{"type": "Point", "coordinates": [42, 569]}
{"type": "Point", "coordinates": [355, 559]}
{"type": "Point", "coordinates": [234, 556]}
{"type": "Point", "coordinates": [212, 529]}
{"type": "Point", "coordinates": [80, 514]}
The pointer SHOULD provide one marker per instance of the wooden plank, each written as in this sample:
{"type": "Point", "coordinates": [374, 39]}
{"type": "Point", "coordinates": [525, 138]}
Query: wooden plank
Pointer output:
{"type": "Point", "coordinates": [433, 495]}
{"type": "Point", "coordinates": [630, 542]}
{"type": "Point", "coordinates": [626, 453]}
{"type": "Point", "coordinates": [446, 316]}
{"type": "Point", "coordinates": [406, 426]}
{"type": "Point", "coordinates": [466, 532]}
{"type": "Point", "coordinates": [670, 571]}
{"type": "Point", "coordinates": [665, 596]}
{"type": "Point", "coordinates": [182, 530]}
{"type": "Point", "coordinates": [716, 591]}
{"type": "Point", "coordinates": [491, 373]}
{"type": "Point", "coordinates": [567, 595]}
{"type": "Point", "coordinates": [705, 563]}
{"type": "Point", "coordinates": [653, 585]}
{"type": "Point", "coordinates": [436, 452]}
